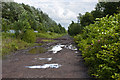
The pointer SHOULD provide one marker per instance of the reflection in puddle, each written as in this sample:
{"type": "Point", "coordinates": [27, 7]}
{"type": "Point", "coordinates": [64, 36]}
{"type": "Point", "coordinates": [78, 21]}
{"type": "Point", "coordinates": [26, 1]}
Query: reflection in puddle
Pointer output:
{"type": "Point", "coordinates": [59, 47]}
{"type": "Point", "coordinates": [76, 52]}
{"type": "Point", "coordinates": [48, 59]}
{"type": "Point", "coordinates": [45, 66]}
{"type": "Point", "coordinates": [71, 47]}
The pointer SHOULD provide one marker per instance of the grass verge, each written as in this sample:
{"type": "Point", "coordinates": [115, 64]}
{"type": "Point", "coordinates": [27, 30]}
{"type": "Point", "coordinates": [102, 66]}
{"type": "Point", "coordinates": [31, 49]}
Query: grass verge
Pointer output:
{"type": "Point", "coordinates": [49, 35]}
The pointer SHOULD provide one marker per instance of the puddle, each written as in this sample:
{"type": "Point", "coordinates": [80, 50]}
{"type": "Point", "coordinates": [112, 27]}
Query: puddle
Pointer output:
{"type": "Point", "coordinates": [76, 52]}
{"type": "Point", "coordinates": [59, 47]}
{"type": "Point", "coordinates": [48, 59]}
{"type": "Point", "coordinates": [37, 50]}
{"type": "Point", "coordinates": [71, 47]}
{"type": "Point", "coordinates": [44, 66]}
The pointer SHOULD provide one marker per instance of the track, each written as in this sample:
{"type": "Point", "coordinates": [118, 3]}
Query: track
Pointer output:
{"type": "Point", "coordinates": [72, 65]}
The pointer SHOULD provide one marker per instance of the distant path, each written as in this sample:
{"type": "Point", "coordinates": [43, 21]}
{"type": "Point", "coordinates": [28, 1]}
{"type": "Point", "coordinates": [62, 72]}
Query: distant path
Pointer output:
{"type": "Point", "coordinates": [72, 63]}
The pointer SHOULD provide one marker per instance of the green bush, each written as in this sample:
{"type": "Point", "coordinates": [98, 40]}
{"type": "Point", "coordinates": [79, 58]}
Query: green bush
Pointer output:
{"type": "Point", "coordinates": [100, 46]}
{"type": "Point", "coordinates": [29, 36]}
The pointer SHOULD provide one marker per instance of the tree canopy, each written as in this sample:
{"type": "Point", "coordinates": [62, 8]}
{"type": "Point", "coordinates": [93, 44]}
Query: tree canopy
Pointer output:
{"type": "Point", "coordinates": [101, 10]}
{"type": "Point", "coordinates": [21, 17]}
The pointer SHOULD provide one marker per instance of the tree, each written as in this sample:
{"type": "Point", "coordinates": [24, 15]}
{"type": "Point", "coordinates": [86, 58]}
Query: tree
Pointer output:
{"type": "Point", "coordinates": [11, 11]}
{"type": "Point", "coordinates": [74, 28]}
{"type": "Point", "coordinates": [79, 17]}
{"type": "Point", "coordinates": [97, 14]}
{"type": "Point", "coordinates": [62, 29]}
{"type": "Point", "coordinates": [86, 19]}
{"type": "Point", "coordinates": [24, 17]}
{"type": "Point", "coordinates": [108, 7]}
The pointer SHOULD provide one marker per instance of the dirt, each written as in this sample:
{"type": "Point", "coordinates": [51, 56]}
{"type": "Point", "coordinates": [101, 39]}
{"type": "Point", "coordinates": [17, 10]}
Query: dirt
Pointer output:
{"type": "Point", "coordinates": [72, 63]}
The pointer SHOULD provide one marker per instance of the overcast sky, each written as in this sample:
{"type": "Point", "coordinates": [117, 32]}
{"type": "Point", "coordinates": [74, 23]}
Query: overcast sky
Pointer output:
{"type": "Point", "coordinates": [62, 11]}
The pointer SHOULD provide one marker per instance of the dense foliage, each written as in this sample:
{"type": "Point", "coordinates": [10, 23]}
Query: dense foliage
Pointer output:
{"type": "Point", "coordinates": [11, 44]}
{"type": "Point", "coordinates": [98, 38]}
{"type": "Point", "coordinates": [29, 36]}
{"type": "Point", "coordinates": [19, 24]}
{"type": "Point", "coordinates": [101, 10]}
{"type": "Point", "coordinates": [20, 17]}
{"type": "Point", "coordinates": [74, 28]}
{"type": "Point", "coordinates": [100, 46]}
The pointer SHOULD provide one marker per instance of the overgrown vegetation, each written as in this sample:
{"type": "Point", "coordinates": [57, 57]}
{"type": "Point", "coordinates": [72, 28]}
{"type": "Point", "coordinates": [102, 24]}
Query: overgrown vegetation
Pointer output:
{"type": "Point", "coordinates": [101, 10]}
{"type": "Point", "coordinates": [100, 46]}
{"type": "Point", "coordinates": [29, 36]}
{"type": "Point", "coordinates": [98, 39]}
{"type": "Point", "coordinates": [20, 17]}
{"type": "Point", "coordinates": [11, 44]}
{"type": "Point", "coordinates": [24, 20]}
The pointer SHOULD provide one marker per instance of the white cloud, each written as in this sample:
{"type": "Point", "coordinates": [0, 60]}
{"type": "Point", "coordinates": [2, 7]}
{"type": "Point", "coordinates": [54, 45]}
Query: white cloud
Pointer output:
{"type": "Point", "coordinates": [62, 11]}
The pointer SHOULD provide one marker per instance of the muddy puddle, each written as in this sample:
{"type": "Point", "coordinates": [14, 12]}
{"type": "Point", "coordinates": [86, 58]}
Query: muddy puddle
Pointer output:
{"type": "Point", "coordinates": [59, 47]}
{"type": "Point", "coordinates": [44, 66]}
{"type": "Point", "coordinates": [37, 50]}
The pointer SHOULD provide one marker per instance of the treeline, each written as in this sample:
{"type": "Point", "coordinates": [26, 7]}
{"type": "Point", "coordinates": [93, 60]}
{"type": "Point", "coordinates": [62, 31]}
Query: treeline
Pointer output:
{"type": "Point", "coordinates": [101, 10]}
{"type": "Point", "coordinates": [21, 17]}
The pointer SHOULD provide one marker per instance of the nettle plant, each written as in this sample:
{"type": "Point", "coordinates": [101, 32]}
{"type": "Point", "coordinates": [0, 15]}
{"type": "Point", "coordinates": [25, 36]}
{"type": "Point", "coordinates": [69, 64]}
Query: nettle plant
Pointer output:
{"type": "Point", "coordinates": [100, 46]}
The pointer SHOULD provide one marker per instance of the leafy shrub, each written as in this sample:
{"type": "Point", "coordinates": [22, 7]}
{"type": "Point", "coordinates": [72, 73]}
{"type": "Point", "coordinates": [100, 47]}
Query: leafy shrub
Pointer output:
{"type": "Point", "coordinates": [100, 46]}
{"type": "Point", "coordinates": [29, 36]}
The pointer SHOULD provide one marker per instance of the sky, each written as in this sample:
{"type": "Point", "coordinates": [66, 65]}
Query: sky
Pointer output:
{"type": "Point", "coordinates": [62, 11]}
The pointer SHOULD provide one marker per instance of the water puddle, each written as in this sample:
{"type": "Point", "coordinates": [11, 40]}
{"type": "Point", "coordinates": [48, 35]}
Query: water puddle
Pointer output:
{"type": "Point", "coordinates": [37, 50]}
{"type": "Point", "coordinates": [45, 66]}
{"type": "Point", "coordinates": [76, 52]}
{"type": "Point", "coordinates": [48, 59]}
{"type": "Point", "coordinates": [71, 47]}
{"type": "Point", "coordinates": [59, 47]}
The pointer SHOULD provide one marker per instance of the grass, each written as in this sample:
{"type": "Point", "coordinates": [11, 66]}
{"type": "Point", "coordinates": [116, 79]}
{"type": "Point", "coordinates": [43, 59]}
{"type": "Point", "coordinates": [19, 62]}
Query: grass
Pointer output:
{"type": "Point", "coordinates": [12, 44]}
{"type": "Point", "coordinates": [49, 35]}
{"type": "Point", "coordinates": [46, 40]}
